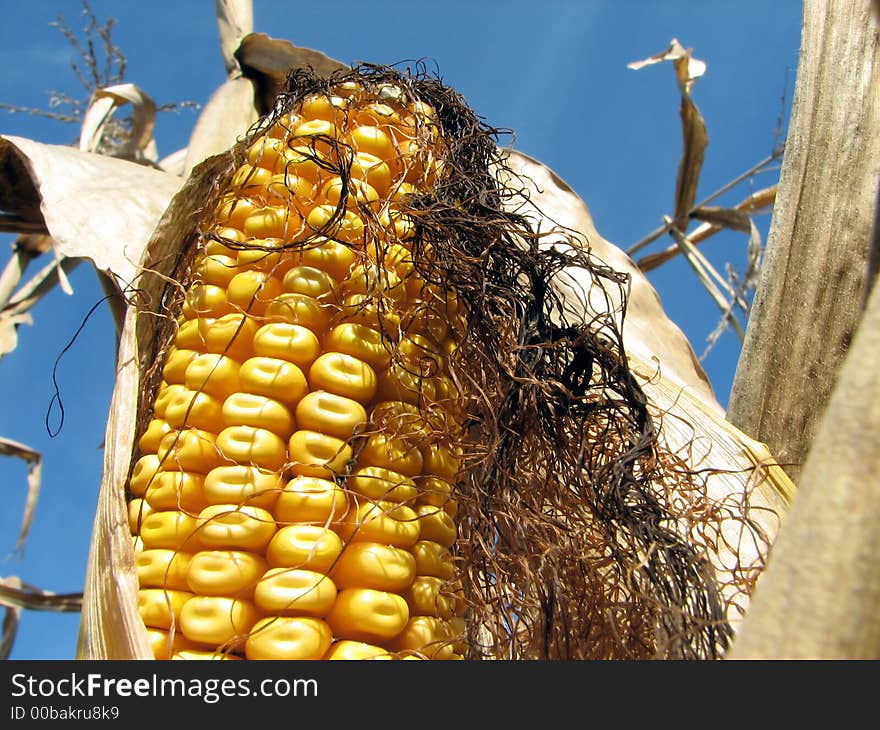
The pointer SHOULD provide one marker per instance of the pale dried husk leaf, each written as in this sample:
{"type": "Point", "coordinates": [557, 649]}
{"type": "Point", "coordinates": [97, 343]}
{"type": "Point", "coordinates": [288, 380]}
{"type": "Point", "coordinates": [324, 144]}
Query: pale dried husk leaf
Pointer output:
{"type": "Point", "coordinates": [95, 207]}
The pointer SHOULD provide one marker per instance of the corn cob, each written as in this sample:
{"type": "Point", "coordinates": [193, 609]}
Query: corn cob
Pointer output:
{"type": "Point", "coordinates": [294, 492]}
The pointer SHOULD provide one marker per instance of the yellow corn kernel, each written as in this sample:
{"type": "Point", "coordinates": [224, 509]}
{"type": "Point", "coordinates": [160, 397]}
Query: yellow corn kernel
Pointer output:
{"type": "Point", "coordinates": [347, 650]}
{"type": "Point", "coordinates": [282, 127]}
{"type": "Point", "coordinates": [373, 170]}
{"type": "Point", "coordinates": [311, 499]}
{"type": "Point", "coordinates": [150, 439]}
{"type": "Point", "coordinates": [356, 192]}
{"type": "Point", "coordinates": [374, 565]}
{"type": "Point", "coordinates": [162, 568]}
{"type": "Point", "coordinates": [457, 633]}
{"type": "Point", "coordinates": [176, 490]}
{"type": "Point", "coordinates": [138, 509]}
{"type": "Point", "coordinates": [360, 341]}
{"type": "Point", "coordinates": [326, 220]}
{"type": "Point", "coordinates": [437, 493]}
{"type": "Point", "coordinates": [333, 257]}
{"type": "Point", "coordinates": [343, 375]}
{"type": "Point", "coordinates": [298, 309]}
{"type": "Point", "coordinates": [206, 300]}
{"type": "Point", "coordinates": [400, 419]}
{"type": "Point", "coordinates": [231, 335]}
{"type": "Point", "coordinates": [160, 608]}
{"type": "Point", "coordinates": [376, 281]}
{"type": "Point", "coordinates": [289, 638]}
{"type": "Point", "coordinates": [166, 394]}
{"type": "Point", "coordinates": [377, 482]}
{"type": "Point", "coordinates": [318, 455]}
{"type": "Point", "coordinates": [323, 106]}
{"type": "Point", "coordinates": [436, 525]}
{"type": "Point", "coordinates": [171, 530]}
{"type": "Point", "coordinates": [250, 180]}
{"type": "Point", "coordinates": [252, 446]}
{"type": "Point", "coordinates": [174, 370]}
{"type": "Point", "coordinates": [190, 449]}
{"type": "Point", "coordinates": [331, 414]}
{"type": "Point", "coordinates": [142, 474]}
{"type": "Point", "coordinates": [383, 522]}
{"type": "Point", "coordinates": [310, 281]}
{"type": "Point", "coordinates": [275, 378]}
{"type": "Point", "coordinates": [166, 643]}
{"type": "Point", "coordinates": [234, 211]}
{"type": "Point", "coordinates": [194, 409]}
{"type": "Point", "coordinates": [214, 374]}
{"type": "Point", "coordinates": [251, 291]}
{"type": "Point", "coordinates": [426, 597]}
{"type": "Point", "coordinates": [241, 484]}
{"type": "Point", "coordinates": [368, 615]}
{"type": "Point", "coordinates": [432, 558]}
{"type": "Point", "coordinates": [427, 635]}
{"type": "Point", "coordinates": [404, 382]}
{"type": "Point", "coordinates": [230, 527]}
{"type": "Point", "coordinates": [216, 270]}
{"type": "Point", "coordinates": [249, 409]}
{"type": "Point", "coordinates": [423, 319]}
{"type": "Point", "coordinates": [217, 620]}
{"type": "Point", "coordinates": [442, 461]}
{"type": "Point", "coordinates": [312, 547]}
{"type": "Point", "coordinates": [391, 452]}
{"type": "Point", "coordinates": [289, 341]}
{"type": "Point", "coordinates": [188, 336]}
{"type": "Point", "coordinates": [202, 655]}
{"type": "Point", "coordinates": [232, 573]}
{"type": "Point", "coordinates": [370, 312]}
{"type": "Point", "coordinates": [262, 254]}
{"type": "Point", "coordinates": [295, 592]}
{"type": "Point", "coordinates": [289, 189]}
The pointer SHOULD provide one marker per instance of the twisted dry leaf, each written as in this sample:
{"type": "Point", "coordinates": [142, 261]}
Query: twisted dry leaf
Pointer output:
{"type": "Point", "coordinates": [687, 70]}
{"type": "Point", "coordinates": [34, 460]}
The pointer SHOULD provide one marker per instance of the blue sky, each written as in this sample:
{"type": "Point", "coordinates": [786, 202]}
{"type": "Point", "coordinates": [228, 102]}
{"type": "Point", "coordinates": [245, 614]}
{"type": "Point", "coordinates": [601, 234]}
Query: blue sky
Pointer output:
{"type": "Point", "coordinates": [555, 73]}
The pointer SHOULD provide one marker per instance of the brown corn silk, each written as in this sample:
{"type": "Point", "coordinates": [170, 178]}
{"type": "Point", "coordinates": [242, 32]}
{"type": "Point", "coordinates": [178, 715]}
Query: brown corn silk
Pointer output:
{"type": "Point", "coordinates": [578, 534]}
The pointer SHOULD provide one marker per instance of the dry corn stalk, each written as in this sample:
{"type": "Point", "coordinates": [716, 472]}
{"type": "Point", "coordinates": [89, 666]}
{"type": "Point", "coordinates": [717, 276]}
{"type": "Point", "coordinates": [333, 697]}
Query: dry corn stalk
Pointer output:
{"type": "Point", "coordinates": [571, 516]}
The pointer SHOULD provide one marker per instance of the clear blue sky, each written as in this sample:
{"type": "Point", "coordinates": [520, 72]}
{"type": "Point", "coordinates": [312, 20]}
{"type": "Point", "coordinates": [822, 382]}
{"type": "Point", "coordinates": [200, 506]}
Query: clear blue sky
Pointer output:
{"type": "Point", "coordinates": [554, 72]}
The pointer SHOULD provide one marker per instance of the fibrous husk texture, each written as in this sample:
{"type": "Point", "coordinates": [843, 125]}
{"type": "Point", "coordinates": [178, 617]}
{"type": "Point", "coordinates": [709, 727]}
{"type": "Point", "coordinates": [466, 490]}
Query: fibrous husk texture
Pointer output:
{"type": "Point", "coordinates": [576, 526]}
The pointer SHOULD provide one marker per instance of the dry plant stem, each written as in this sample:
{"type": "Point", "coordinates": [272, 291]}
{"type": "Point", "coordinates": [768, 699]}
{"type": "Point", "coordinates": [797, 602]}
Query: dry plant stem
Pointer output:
{"type": "Point", "coordinates": [665, 228]}
{"type": "Point", "coordinates": [41, 284]}
{"type": "Point", "coordinates": [756, 203]}
{"type": "Point", "coordinates": [699, 264]}
{"type": "Point", "coordinates": [819, 595]}
{"type": "Point", "coordinates": [810, 295]}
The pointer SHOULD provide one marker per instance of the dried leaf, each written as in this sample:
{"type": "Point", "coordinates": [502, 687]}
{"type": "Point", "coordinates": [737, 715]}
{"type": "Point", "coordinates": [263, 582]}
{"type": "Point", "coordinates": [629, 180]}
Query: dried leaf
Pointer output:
{"type": "Point", "coordinates": [228, 114]}
{"type": "Point", "coordinates": [267, 62]}
{"type": "Point", "coordinates": [126, 198]}
{"type": "Point", "coordinates": [35, 469]}
{"type": "Point", "coordinates": [687, 70]}
{"type": "Point", "coordinates": [140, 145]}
{"type": "Point", "coordinates": [10, 622]}
{"type": "Point", "coordinates": [754, 203]}
{"type": "Point", "coordinates": [733, 218]}
{"type": "Point", "coordinates": [9, 330]}
{"type": "Point", "coordinates": [20, 595]}
{"type": "Point", "coordinates": [235, 19]}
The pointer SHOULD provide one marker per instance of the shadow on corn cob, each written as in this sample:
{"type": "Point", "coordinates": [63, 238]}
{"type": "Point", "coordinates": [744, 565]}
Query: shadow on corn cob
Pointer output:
{"type": "Point", "coordinates": [293, 496]}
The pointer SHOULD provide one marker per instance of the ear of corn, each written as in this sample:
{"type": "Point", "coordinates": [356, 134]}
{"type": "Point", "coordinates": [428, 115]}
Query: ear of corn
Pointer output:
{"type": "Point", "coordinates": [293, 497]}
